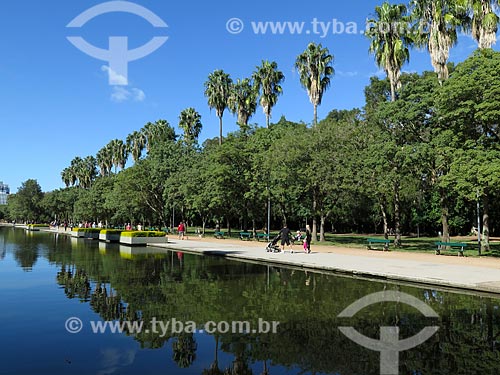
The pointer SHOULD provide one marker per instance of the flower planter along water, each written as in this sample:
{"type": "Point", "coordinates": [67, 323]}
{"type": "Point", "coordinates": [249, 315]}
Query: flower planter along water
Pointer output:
{"type": "Point", "coordinates": [110, 235]}
{"type": "Point", "coordinates": [92, 233]}
{"type": "Point", "coordinates": [138, 238]}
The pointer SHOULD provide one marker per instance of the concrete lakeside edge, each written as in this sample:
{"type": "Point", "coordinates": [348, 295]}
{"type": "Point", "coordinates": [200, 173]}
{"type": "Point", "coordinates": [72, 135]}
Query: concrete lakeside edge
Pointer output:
{"type": "Point", "coordinates": [424, 269]}
{"type": "Point", "coordinates": [449, 277]}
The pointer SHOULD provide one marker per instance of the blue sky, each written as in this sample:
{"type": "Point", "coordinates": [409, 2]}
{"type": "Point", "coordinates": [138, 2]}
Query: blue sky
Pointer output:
{"type": "Point", "coordinates": [56, 102]}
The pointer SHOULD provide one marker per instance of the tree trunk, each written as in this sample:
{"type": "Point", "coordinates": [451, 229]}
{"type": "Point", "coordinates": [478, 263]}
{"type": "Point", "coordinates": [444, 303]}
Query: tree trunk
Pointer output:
{"type": "Point", "coordinates": [444, 215]}
{"type": "Point", "coordinates": [383, 211]}
{"type": "Point", "coordinates": [220, 130]}
{"type": "Point", "coordinates": [397, 215]}
{"type": "Point", "coordinates": [315, 118]}
{"type": "Point", "coordinates": [314, 232]}
{"type": "Point", "coordinates": [322, 228]}
{"type": "Point", "coordinates": [393, 90]}
{"type": "Point", "coordinates": [204, 223]}
{"type": "Point", "coordinates": [267, 120]}
{"type": "Point", "coordinates": [485, 240]}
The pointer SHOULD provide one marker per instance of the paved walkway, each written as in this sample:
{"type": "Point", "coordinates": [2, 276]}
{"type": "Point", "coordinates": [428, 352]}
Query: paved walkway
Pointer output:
{"type": "Point", "coordinates": [475, 274]}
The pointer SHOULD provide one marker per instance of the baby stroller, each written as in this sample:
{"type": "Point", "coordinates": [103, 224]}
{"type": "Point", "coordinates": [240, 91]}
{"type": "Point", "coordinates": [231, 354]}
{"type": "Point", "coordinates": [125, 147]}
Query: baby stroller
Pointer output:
{"type": "Point", "coordinates": [272, 247]}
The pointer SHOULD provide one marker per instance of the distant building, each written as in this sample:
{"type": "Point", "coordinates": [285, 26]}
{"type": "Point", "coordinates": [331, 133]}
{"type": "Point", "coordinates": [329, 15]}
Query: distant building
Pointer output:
{"type": "Point", "coordinates": [4, 191]}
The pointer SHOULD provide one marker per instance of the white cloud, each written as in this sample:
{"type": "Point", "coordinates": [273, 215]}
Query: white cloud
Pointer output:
{"type": "Point", "coordinates": [114, 77]}
{"type": "Point", "coordinates": [138, 95]}
{"type": "Point", "coordinates": [121, 94]}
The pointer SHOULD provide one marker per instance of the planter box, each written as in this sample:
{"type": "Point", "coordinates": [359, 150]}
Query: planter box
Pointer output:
{"type": "Point", "coordinates": [110, 237]}
{"type": "Point", "coordinates": [142, 241]}
{"type": "Point", "coordinates": [94, 236]}
{"type": "Point", "coordinates": [85, 235]}
{"type": "Point", "coordinates": [77, 234]}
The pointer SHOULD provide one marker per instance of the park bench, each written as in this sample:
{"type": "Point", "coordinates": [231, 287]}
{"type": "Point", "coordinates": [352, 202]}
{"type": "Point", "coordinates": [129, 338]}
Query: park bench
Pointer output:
{"type": "Point", "coordinates": [219, 234]}
{"type": "Point", "coordinates": [372, 241]}
{"type": "Point", "coordinates": [245, 235]}
{"type": "Point", "coordinates": [458, 245]}
{"type": "Point", "coordinates": [265, 236]}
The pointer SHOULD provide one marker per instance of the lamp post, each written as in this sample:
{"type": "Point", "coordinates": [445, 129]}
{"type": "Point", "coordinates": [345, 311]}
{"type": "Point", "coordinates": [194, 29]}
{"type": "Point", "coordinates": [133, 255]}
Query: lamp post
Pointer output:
{"type": "Point", "coordinates": [478, 224]}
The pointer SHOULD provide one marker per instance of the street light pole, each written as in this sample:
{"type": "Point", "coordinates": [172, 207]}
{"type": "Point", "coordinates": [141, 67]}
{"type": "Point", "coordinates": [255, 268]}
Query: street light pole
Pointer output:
{"type": "Point", "coordinates": [478, 224]}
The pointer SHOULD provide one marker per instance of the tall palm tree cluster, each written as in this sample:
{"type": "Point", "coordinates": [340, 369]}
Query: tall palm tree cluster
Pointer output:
{"type": "Point", "coordinates": [241, 97]}
{"type": "Point", "coordinates": [314, 66]}
{"type": "Point", "coordinates": [114, 156]}
{"type": "Point", "coordinates": [432, 24]}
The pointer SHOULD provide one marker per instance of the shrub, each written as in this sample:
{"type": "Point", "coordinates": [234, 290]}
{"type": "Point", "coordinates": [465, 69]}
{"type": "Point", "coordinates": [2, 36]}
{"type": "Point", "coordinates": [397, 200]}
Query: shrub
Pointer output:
{"type": "Point", "coordinates": [87, 230]}
{"type": "Point", "coordinates": [145, 233]}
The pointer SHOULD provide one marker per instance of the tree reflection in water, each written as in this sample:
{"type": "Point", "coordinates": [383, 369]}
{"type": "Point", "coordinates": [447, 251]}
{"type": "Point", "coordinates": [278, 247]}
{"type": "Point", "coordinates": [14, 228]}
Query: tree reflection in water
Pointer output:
{"type": "Point", "coordinates": [202, 289]}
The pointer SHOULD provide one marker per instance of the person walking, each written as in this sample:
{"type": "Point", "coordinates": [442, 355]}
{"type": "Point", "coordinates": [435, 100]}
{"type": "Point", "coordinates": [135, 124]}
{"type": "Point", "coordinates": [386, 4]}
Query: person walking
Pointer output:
{"type": "Point", "coordinates": [181, 229]}
{"type": "Point", "coordinates": [307, 240]}
{"type": "Point", "coordinates": [285, 238]}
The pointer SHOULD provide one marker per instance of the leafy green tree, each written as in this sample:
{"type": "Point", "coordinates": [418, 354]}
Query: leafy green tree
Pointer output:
{"type": "Point", "coordinates": [26, 203]}
{"type": "Point", "coordinates": [468, 107]}
{"type": "Point", "coordinates": [389, 41]}
{"type": "Point", "coordinates": [268, 80]}
{"type": "Point", "coordinates": [217, 90]}
{"type": "Point", "coordinates": [315, 68]}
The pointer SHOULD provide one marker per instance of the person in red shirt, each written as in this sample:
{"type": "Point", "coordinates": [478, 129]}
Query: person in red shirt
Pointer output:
{"type": "Point", "coordinates": [181, 229]}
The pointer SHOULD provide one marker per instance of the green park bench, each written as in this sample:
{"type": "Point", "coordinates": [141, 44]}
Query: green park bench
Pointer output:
{"type": "Point", "coordinates": [265, 236]}
{"type": "Point", "coordinates": [443, 245]}
{"type": "Point", "coordinates": [245, 235]}
{"type": "Point", "coordinates": [219, 235]}
{"type": "Point", "coordinates": [372, 242]}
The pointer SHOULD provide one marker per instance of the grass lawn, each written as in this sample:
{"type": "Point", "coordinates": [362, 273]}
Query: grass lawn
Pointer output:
{"type": "Point", "coordinates": [410, 244]}
{"type": "Point", "coordinates": [414, 244]}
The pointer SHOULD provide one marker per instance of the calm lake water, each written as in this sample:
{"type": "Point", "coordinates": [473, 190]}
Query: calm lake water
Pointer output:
{"type": "Point", "coordinates": [48, 280]}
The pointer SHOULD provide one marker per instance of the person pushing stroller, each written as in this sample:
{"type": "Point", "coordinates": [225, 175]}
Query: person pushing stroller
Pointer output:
{"type": "Point", "coordinates": [285, 234]}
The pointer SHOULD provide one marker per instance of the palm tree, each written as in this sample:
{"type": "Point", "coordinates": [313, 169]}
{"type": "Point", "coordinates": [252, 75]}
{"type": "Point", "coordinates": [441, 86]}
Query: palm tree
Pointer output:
{"type": "Point", "coordinates": [389, 41]}
{"type": "Point", "coordinates": [163, 132]}
{"type": "Point", "coordinates": [315, 68]}
{"type": "Point", "coordinates": [88, 172]}
{"type": "Point", "coordinates": [190, 123]}
{"type": "Point", "coordinates": [148, 134]}
{"type": "Point", "coordinates": [119, 153]}
{"type": "Point", "coordinates": [68, 176]}
{"type": "Point", "coordinates": [483, 22]}
{"type": "Point", "coordinates": [184, 350]}
{"type": "Point", "coordinates": [136, 141]}
{"type": "Point", "coordinates": [243, 101]}
{"type": "Point", "coordinates": [442, 18]}
{"type": "Point", "coordinates": [268, 80]}
{"type": "Point", "coordinates": [105, 160]}
{"type": "Point", "coordinates": [217, 90]}
{"type": "Point", "coordinates": [74, 172]}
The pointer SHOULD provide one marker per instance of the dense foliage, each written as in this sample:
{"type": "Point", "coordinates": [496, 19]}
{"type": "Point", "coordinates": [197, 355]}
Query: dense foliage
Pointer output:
{"type": "Point", "coordinates": [418, 164]}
